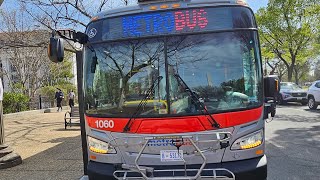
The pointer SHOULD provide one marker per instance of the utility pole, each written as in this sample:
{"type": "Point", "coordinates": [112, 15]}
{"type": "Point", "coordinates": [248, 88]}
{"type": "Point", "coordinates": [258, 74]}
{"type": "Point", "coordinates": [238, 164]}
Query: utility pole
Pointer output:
{"type": "Point", "coordinates": [8, 158]}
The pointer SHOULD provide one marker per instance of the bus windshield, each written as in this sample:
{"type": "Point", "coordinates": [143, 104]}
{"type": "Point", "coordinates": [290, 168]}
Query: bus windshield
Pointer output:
{"type": "Point", "coordinates": [222, 69]}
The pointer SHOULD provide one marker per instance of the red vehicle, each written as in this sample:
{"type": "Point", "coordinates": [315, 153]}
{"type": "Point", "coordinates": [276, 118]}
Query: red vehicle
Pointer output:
{"type": "Point", "coordinates": [172, 90]}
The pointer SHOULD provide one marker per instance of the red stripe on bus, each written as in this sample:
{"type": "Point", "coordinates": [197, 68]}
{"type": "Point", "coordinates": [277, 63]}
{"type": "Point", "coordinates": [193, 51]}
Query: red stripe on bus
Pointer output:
{"type": "Point", "coordinates": [174, 124]}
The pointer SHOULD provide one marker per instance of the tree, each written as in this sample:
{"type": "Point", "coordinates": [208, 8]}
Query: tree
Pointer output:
{"type": "Point", "coordinates": [26, 53]}
{"type": "Point", "coordinates": [282, 71]}
{"type": "Point", "coordinates": [74, 14]}
{"type": "Point", "coordinates": [317, 70]}
{"type": "Point", "coordinates": [59, 76]}
{"type": "Point", "coordinates": [13, 25]}
{"type": "Point", "coordinates": [288, 29]}
{"type": "Point", "coordinates": [8, 158]}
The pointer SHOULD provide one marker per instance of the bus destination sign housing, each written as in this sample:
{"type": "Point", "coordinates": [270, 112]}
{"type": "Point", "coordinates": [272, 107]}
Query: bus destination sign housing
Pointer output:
{"type": "Point", "coordinates": [171, 22]}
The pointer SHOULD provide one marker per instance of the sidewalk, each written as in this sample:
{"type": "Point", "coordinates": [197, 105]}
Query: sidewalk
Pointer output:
{"type": "Point", "coordinates": [48, 150]}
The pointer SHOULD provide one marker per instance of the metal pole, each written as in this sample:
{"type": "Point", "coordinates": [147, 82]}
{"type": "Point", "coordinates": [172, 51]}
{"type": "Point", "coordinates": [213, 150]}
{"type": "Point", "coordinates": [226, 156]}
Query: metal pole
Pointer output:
{"type": "Point", "coordinates": [1, 126]}
{"type": "Point", "coordinates": [40, 103]}
{"type": "Point", "coordinates": [79, 62]}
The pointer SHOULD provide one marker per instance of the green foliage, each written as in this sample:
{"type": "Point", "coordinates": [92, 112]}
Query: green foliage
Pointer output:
{"type": "Point", "coordinates": [60, 75]}
{"type": "Point", "coordinates": [50, 91]}
{"type": "Point", "coordinates": [19, 88]}
{"type": "Point", "coordinates": [317, 70]}
{"type": "Point", "coordinates": [15, 102]}
{"type": "Point", "coordinates": [289, 29]}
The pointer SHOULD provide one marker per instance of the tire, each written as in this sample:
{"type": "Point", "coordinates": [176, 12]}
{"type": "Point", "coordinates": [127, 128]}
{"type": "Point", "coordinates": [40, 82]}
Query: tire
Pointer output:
{"type": "Point", "coordinates": [273, 110]}
{"type": "Point", "coordinates": [280, 100]}
{"type": "Point", "coordinates": [312, 103]}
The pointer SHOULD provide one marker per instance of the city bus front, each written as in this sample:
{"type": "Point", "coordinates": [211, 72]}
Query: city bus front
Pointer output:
{"type": "Point", "coordinates": [174, 91]}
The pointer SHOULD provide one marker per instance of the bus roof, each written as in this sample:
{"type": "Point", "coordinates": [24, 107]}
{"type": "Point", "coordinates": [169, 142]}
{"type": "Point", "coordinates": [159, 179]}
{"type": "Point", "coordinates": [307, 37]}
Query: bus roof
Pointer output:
{"type": "Point", "coordinates": [146, 6]}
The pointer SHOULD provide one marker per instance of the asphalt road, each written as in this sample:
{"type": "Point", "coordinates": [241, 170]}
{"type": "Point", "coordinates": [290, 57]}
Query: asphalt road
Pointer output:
{"type": "Point", "coordinates": [293, 144]}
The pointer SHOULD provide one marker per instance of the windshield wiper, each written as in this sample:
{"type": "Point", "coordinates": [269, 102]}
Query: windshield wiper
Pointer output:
{"type": "Point", "coordinates": [142, 104]}
{"type": "Point", "coordinates": [212, 121]}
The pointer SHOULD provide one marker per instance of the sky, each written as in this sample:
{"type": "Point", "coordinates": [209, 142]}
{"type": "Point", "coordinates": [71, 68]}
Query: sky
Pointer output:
{"type": "Point", "coordinates": [257, 4]}
{"type": "Point", "coordinates": [254, 4]}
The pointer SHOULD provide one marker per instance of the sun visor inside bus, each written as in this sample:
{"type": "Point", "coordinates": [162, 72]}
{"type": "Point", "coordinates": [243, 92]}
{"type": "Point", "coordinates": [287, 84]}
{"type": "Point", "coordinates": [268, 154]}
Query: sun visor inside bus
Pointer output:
{"type": "Point", "coordinates": [178, 21]}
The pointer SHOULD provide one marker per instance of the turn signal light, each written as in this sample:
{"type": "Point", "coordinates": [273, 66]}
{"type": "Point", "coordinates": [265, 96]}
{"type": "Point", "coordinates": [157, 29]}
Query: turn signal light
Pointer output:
{"type": "Point", "coordinates": [96, 150]}
{"type": "Point", "coordinates": [93, 157]}
{"type": "Point", "coordinates": [249, 146]}
{"type": "Point", "coordinates": [249, 141]}
{"type": "Point", "coordinates": [259, 152]}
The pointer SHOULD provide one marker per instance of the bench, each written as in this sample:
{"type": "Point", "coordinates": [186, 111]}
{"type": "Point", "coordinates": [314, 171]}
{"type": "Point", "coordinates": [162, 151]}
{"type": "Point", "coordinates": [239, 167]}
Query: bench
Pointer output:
{"type": "Point", "coordinates": [72, 118]}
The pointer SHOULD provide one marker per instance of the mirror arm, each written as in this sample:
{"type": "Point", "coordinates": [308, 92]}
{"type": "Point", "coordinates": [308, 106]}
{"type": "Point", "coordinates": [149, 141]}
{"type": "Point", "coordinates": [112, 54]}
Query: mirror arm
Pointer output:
{"type": "Point", "coordinates": [71, 35]}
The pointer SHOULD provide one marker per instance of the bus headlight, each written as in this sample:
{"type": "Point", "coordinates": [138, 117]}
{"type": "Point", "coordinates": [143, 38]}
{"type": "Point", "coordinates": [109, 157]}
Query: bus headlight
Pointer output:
{"type": "Point", "coordinates": [249, 141]}
{"type": "Point", "coordinates": [100, 147]}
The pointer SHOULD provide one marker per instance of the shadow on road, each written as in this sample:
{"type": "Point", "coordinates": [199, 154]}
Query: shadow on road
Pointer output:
{"type": "Point", "coordinates": [291, 104]}
{"type": "Point", "coordinates": [297, 118]}
{"type": "Point", "coordinates": [313, 111]}
{"type": "Point", "coordinates": [69, 129]}
{"type": "Point", "coordinates": [61, 162]}
{"type": "Point", "coordinates": [293, 137]}
{"type": "Point", "coordinates": [294, 153]}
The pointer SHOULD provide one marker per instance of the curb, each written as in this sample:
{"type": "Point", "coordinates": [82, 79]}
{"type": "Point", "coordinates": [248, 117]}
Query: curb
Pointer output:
{"type": "Point", "coordinates": [10, 160]}
{"type": "Point", "coordinates": [35, 111]}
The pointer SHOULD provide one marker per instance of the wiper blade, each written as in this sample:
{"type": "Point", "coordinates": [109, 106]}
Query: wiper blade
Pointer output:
{"type": "Point", "coordinates": [142, 104]}
{"type": "Point", "coordinates": [212, 121]}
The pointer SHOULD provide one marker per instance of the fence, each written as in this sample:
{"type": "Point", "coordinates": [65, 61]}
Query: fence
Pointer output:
{"type": "Point", "coordinates": [44, 102]}
{"type": "Point", "coordinates": [37, 102]}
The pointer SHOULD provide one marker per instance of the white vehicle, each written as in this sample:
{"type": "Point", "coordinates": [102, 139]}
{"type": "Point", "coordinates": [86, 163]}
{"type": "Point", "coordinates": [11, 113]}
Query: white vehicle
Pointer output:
{"type": "Point", "coordinates": [314, 95]}
{"type": "Point", "coordinates": [290, 92]}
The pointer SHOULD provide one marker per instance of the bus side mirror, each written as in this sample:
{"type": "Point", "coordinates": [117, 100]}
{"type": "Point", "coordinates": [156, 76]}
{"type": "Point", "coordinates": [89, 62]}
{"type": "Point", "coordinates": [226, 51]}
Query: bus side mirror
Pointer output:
{"type": "Point", "coordinates": [271, 86]}
{"type": "Point", "coordinates": [56, 50]}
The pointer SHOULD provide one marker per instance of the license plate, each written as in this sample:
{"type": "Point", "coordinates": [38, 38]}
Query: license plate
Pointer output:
{"type": "Point", "coordinates": [171, 155]}
{"type": "Point", "coordinates": [299, 98]}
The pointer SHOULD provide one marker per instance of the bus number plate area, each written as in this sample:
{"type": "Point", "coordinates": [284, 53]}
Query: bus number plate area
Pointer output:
{"type": "Point", "coordinates": [171, 155]}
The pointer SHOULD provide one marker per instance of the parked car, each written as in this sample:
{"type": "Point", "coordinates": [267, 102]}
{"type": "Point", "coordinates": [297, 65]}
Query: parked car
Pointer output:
{"type": "Point", "coordinates": [290, 92]}
{"type": "Point", "coordinates": [314, 95]}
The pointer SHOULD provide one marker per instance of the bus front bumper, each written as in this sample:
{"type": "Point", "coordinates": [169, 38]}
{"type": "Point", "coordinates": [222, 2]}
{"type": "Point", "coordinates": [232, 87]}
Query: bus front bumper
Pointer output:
{"type": "Point", "coordinates": [255, 168]}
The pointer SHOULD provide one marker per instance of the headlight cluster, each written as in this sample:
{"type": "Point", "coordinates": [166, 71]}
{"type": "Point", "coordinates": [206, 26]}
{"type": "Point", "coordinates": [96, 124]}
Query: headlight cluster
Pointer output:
{"type": "Point", "coordinates": [286, 95]}
{"type": "Point", "coordinates": [100, 147]}
{"type": "Point", "coordinates": [250, 141]}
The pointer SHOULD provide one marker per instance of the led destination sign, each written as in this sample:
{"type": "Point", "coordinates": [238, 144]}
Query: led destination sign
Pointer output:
{"type": "Point", "coordinates": [168, 22]}
{"type": "Point", "coordinates": [171, 22]}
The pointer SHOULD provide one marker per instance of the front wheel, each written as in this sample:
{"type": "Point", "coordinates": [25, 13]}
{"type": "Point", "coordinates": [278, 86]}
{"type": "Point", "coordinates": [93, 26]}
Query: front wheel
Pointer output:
{"type": "Point", "coordinates": [312, 103]}
{"type": "Point", "coordinates": [280, 100]}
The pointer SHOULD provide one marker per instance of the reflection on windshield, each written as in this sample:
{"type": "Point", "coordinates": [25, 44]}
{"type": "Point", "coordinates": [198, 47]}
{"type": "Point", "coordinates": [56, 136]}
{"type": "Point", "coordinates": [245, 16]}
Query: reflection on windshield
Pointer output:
{"type": "Point", "coordinates": [222, 70]}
